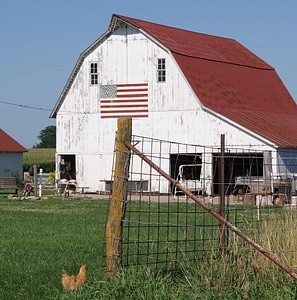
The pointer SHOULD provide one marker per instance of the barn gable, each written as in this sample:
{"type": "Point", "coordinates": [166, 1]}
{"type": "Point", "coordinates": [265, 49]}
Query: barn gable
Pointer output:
{"type": "Point", "coordinates": [211, 85]}
{"type": "Point", "coordinates": [228, 80]}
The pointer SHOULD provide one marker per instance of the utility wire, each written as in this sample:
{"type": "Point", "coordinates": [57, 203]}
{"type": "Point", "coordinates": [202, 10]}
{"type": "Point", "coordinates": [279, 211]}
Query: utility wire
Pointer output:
{"type": "Point", "coordinates": [25, 106]}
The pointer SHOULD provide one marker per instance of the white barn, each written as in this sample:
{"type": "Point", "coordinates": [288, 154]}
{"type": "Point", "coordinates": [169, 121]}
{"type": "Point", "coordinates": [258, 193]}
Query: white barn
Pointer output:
{"type": "Point", "coordinates": [176, 85]}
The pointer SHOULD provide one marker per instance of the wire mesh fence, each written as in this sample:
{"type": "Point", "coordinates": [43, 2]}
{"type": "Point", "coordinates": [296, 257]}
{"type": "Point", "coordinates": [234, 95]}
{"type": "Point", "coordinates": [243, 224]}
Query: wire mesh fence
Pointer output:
{"type": "Point", "coordinates": [162, 226]}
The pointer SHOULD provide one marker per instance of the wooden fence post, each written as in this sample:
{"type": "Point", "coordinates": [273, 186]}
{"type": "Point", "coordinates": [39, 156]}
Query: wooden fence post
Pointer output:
{"type": "Point", "coordinates": [222, 196]}
{"type": "Point", "coordinates": [113, 232]}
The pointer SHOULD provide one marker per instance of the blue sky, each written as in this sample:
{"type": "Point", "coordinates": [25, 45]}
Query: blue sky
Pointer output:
{"type": "Point", "coordinates": [42, 40]}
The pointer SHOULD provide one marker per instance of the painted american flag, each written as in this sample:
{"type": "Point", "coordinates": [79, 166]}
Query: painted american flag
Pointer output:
{"type": "Point", "coordinates": [124, 100]}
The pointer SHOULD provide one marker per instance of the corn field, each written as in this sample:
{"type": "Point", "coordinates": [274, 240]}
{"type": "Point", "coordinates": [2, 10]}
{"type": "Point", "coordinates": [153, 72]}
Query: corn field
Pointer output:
{"type": "Point", "coordinates": [43, 158]}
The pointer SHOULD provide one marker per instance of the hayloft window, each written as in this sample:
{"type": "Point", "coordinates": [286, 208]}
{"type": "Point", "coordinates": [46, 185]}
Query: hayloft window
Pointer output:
{"type": "Point", "coordinates": [94, 73]}
{"type": "Point", "coordinates": [161, 73]}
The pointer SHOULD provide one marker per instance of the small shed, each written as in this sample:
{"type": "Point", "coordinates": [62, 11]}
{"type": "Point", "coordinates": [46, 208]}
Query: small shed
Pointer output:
{"type": "Point", "coordinates": [11, 156]}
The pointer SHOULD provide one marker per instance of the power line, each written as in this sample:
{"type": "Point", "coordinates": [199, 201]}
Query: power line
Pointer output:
{"type": "Point", "coordinates": [25, 106]}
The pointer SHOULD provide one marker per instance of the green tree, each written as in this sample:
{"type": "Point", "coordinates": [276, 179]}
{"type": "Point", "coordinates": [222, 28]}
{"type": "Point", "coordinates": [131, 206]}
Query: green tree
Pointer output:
{"type": "Point", "coordinates": [47, 138]}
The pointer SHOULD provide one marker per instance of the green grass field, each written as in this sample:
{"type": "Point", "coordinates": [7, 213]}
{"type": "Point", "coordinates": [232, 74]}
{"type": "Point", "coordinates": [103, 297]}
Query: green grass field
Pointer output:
{"type": "Point", "coordinates": [40, 238]}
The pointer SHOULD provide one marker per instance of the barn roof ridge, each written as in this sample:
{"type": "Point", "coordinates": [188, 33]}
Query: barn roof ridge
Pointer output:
{"type": "Point", "coordinates": [192, 43]}
{"type": "Point", "coordinates": [224, 75]}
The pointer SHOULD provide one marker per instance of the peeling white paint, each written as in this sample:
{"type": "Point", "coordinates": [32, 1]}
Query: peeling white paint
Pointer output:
{"type": "Point", "coordinates": [127, 56]}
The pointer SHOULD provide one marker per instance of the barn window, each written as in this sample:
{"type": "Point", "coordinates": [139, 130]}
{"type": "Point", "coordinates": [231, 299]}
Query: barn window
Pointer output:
{"type": "Point", "coordinates": [161, 70]}
{"type": "Point", "coordinates": [94, 73]}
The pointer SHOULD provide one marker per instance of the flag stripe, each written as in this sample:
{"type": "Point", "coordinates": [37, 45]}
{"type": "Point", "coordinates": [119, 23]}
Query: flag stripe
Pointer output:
{"type": "Point", "coordinates": [134, 115]}
{"type": "Point", "coordinates": [131, 111]}
{"type": "Point", "coordinates": [116, 105]}
{"type": "Point", "coordinates": [130, 100]}
{"type": "Point", "coordinates": [129, 85]}
{"type": "Point", "coordinates": [123, 101]}
{"type": "Point", "coordinates": [131, 95]}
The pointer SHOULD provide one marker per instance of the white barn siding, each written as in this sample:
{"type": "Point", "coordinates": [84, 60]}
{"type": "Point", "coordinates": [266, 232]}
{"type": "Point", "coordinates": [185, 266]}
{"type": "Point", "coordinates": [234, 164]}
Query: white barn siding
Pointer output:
{"type": "Point", "coordinates": [175, 114]}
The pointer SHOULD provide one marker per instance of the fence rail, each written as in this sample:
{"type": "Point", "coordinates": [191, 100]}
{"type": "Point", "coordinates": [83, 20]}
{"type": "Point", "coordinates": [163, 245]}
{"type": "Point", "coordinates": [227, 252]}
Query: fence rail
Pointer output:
{"type": "Point", "coordinates": [45, 179]}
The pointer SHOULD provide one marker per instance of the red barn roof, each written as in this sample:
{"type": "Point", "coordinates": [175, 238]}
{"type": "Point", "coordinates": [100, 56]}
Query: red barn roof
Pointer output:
{"type": "Point", "coordinates": [230, 80]}
{"type": "Point", "coordinates": [8, 144]}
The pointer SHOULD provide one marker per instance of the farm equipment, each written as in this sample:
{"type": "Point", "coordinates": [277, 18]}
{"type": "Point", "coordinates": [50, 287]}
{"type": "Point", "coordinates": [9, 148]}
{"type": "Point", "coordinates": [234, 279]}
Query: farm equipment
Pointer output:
{"type": "Point", "coordinates": [66, 187]}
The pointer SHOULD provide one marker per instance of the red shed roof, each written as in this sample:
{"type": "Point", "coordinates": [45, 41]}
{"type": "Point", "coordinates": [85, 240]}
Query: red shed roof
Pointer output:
{"type": "Point", "coordinates": [8, 144]}
{"type": "Point", "coordinates": [230, 80]}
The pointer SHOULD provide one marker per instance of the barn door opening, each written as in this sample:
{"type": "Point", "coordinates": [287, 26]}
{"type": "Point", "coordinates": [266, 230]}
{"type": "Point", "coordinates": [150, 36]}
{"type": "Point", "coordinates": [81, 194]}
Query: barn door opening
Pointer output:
{"type": "Point", "coordinates": [237, 166]}
{"type": "Point", "coordinates": [186, 168]}
{"type": "Point", "coordinates": [67, 167]}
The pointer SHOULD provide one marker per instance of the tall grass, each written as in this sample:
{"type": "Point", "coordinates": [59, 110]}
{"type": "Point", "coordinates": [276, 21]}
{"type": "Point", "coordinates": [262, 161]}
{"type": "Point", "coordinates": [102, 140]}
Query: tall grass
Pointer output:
{"type": "Point", "coordinates": [39, 238]}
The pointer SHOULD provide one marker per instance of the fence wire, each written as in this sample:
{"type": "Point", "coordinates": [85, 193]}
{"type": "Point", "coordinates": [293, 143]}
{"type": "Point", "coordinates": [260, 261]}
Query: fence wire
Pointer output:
{"type": "Point", "coordinates": [163, 227]}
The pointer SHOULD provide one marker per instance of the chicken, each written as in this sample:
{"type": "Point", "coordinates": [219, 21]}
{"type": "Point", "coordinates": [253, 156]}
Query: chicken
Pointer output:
{"type": "Point", "coordinates": [71, 282]}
